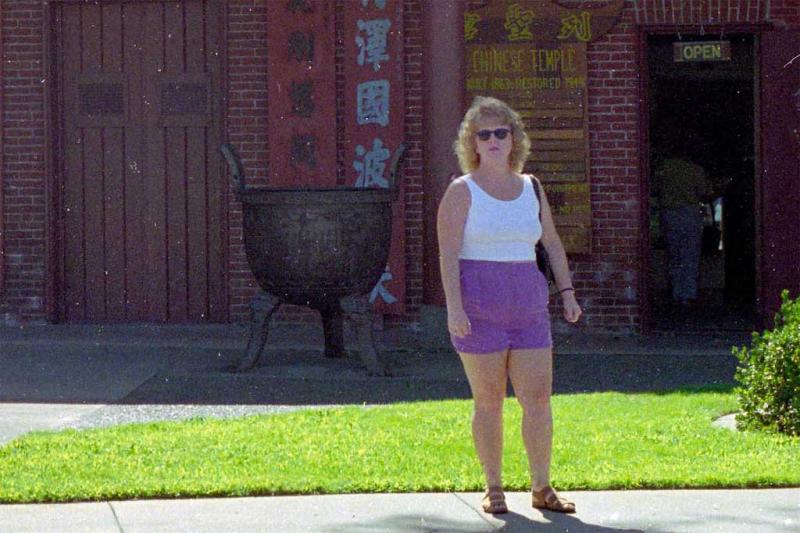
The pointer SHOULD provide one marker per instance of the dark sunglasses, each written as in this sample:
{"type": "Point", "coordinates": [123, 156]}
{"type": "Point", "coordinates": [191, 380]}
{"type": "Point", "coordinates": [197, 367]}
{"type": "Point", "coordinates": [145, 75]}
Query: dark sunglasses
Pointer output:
{"type": "Point", "coordinates": [500, 133]}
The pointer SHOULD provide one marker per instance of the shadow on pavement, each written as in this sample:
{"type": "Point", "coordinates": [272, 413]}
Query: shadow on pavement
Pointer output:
{"type": "Point", "coordinates": [557, 522]}
{"type": "Point", "coordinates": [421, 377]}
{"type": "Point", "coordinates": [511, 522]}
{"type": "Point", "coordinates": [134, 365]}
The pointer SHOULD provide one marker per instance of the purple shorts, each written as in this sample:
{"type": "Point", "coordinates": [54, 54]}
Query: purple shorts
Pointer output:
{"type": "Point", "coordinates": [506, 303]}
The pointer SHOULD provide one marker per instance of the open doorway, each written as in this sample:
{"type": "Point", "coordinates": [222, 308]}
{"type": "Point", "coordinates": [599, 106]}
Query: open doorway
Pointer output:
{"type": "Point", "coordinates": [702, 122]}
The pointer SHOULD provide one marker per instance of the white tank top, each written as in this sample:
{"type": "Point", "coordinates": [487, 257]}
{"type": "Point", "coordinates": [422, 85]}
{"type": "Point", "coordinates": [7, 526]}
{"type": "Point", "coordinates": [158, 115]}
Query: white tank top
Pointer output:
{"type": "Point", "coordinates": [499, 230]}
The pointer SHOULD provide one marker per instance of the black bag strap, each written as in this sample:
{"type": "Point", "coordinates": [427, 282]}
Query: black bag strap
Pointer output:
{"type": "Point", "coordinates": [535, 182]}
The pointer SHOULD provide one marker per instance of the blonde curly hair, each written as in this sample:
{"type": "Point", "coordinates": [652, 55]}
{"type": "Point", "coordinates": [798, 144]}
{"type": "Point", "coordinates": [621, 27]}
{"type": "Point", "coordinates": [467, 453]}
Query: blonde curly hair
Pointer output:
{"type": "Point", "coordinates": [486, 107]}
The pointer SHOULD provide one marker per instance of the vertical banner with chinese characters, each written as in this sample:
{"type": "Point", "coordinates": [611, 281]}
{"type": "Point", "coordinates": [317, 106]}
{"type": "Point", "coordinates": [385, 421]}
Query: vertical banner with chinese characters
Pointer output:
{"type": "Point", "coordinates": [302, 107]}
{"type": "Point", "coordinates": [373, 124]}
{"type": "Point", "coordinates": [532, 54]}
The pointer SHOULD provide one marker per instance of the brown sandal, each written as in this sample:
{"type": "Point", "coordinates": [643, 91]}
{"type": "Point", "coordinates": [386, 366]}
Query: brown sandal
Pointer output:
{"type": "Point", "coordinates": [548, 499]}
{"type": "Point", "coordinates": [494, 501]}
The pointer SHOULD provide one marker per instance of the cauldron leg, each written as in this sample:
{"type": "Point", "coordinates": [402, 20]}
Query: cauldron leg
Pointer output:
{"type": "Point", "coordinates": [332, 325]}
{"type": "Point", "coordinates": [359, 311]}
{"type": "Point", "coordinates": [262, 308]}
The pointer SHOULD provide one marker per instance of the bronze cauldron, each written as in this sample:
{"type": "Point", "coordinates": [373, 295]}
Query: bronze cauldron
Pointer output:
{"type": "Point", "coordinates": [309, 246]}
{"type": "Point", "coordinates": [325, 248]}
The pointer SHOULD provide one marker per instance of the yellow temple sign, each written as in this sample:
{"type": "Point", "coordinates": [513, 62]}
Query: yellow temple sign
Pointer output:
{"type": "Point", "coordinates": [532, 54]}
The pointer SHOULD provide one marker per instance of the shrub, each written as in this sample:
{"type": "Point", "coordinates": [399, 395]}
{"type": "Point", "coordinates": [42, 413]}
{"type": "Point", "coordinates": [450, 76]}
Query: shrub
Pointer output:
{"type": "Point", "coordinates": [769, 374]}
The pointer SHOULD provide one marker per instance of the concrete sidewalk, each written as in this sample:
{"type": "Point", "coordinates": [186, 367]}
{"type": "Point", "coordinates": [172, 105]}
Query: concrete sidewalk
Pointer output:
{"type": "Point", "coordinates": [54, 377]}
{"type": "Point", "coordinates": [723, 511]}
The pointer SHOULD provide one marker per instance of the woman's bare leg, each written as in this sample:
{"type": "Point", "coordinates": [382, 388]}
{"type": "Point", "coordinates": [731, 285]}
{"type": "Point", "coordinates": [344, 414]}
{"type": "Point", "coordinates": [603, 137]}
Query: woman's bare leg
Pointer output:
{"type": "Point", "coordinates": [487, 375]}
{"type": "Point", "coordinates": [531, 373]}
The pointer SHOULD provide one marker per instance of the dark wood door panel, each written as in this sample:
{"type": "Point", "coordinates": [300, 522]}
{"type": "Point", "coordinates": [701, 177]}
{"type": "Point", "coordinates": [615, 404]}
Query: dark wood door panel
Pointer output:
{"type": "Point", "coordinates": [780, 180]}
{"type": "Point", "coordinates": [143, 208]}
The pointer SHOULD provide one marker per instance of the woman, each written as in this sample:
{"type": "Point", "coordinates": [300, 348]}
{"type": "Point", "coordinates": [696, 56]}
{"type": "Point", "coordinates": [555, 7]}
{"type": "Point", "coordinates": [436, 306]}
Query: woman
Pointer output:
{"type": "Point", "coordinates": [488, 225]}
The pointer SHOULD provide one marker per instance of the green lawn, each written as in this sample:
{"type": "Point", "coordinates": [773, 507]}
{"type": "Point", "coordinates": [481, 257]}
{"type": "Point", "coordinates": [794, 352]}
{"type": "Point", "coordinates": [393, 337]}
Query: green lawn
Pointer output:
{"type": "Point", "coordinates": [602, 441]}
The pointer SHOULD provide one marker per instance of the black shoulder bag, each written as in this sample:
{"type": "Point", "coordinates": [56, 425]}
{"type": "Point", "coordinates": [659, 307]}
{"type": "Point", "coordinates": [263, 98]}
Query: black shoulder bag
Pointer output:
{"type": "Point", "coordinates": [542, 259]}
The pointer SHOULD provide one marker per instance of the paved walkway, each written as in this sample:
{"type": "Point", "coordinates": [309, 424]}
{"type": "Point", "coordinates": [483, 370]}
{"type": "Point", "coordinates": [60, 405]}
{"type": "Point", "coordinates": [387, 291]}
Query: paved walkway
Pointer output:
{"type": "Point", "coordinates": [85, 376]}
{"type": "Point", "coordinates": [752, 511]}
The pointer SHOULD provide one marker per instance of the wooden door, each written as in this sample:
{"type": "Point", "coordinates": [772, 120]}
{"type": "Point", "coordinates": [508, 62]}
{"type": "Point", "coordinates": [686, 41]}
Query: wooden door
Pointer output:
{"type": "Point", "coordinates": [779, 261]}
{"type": "Point", "coordinates": [142, 191]}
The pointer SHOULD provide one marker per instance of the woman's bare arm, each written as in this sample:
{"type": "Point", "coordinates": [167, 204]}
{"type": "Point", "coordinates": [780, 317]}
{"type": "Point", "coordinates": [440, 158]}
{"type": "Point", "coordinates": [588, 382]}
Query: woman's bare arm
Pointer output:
{"type": "Point", "coordinates": [450, 222]}
{"type": "Point", "coordinates": [558, 260]}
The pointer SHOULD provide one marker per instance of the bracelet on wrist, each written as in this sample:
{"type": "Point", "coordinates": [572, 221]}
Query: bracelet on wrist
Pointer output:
{"type": "Point", "coordinates": [565, 289]}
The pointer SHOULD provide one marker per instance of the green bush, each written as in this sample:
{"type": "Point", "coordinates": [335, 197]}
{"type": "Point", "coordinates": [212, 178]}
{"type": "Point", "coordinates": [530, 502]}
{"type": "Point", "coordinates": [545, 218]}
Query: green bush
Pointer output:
{"type": "Point", "coordinates": [769, 374]}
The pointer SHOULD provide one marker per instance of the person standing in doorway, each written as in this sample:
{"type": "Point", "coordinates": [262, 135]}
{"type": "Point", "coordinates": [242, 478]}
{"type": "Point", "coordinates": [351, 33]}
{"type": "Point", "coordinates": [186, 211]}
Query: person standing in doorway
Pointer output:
{"type": "Point", "coordinates": [681, 185]}
{"type": "Point", "coordinates": [488, 225]}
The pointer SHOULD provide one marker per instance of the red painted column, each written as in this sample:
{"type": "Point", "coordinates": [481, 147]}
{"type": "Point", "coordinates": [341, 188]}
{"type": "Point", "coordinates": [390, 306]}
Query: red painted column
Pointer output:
{"type": "Point", "coordinates": [444, 77]}
{"type": "Point", "coordinates": [302, 99]}
{"type": "Point", "coordinates": [374, 122]}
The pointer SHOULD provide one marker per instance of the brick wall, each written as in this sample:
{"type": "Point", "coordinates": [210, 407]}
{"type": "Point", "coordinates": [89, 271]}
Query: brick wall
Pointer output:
{"type": "Point", "coordinates": [24, 174]}
{"type": "Point", "coordinates": [24, 149]}
{"type": "Point", "coordinates": [413, 170]}
{"type": "Point", "coordinates": [247, 126]}
{"type": "Point", "coordinates": [609, 281]}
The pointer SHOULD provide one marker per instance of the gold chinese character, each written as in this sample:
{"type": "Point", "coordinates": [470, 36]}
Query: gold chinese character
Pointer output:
{"type": "Point", "coordinates": [518, 23]}
{"type": "Point", "coordinates": [580, 27]}
{"type": "Point", "coordinates": [470, 25]}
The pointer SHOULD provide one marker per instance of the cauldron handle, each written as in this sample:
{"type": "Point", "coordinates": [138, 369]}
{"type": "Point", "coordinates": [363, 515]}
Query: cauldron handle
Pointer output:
{"type": "Point", "coordinates": [235, 165]}
{"type": "Point", "coordinates": [393, 168]}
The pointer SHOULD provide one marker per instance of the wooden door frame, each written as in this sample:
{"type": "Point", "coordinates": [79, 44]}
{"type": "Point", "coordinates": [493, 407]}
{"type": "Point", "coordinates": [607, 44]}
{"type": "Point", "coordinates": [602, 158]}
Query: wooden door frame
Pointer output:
{"type": "Point", "coordinates": [770, 288]}
{"type": "Point", "coordinates": [53, 163]}
{"type": "Point", "coordinates": [2, 174]}
{"type": "Point", "coordinates": [645, 284]}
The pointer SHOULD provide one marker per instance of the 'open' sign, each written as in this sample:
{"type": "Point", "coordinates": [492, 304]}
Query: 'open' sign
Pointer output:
{"type": "Point", "coordinates": [701, 51]}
